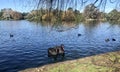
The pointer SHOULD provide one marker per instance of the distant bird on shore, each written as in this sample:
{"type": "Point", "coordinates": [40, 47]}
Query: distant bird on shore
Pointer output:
{"type": "Point", "coordinates": [11, 35]}
{"type": "Point", "coordinates": [79, 35]}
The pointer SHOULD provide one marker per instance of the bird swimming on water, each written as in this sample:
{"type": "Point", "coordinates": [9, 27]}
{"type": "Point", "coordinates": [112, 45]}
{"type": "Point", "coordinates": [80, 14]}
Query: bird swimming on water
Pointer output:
{"type": "Point", "coordinates": [79, 34]}
{"type": "Point", "coordinates": [113, 39]}
{"type": "Point", "coordinates": [107, 40]}
{"type": "Point", "coordinates": [11, 35]}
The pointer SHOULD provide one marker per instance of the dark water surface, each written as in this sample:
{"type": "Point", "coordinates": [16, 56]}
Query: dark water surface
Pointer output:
{"type": "Point", "coordinates": [28, 47]}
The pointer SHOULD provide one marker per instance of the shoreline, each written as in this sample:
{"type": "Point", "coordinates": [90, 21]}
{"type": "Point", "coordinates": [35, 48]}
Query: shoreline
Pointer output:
{"type": "Point", "coordinates": [108, 62]}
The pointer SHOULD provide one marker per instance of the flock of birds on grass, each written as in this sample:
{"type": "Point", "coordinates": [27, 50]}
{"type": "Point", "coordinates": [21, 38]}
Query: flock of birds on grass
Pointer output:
{"type": "Point", "coordinates": [56, 51]}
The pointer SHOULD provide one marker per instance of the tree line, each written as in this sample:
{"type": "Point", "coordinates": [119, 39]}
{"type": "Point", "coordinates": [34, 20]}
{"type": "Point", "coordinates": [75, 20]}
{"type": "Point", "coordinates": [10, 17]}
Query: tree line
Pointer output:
{"type": "Point", "coordinates": [9, 14]}
{"type": "Point", "coordinates": [90, 12]}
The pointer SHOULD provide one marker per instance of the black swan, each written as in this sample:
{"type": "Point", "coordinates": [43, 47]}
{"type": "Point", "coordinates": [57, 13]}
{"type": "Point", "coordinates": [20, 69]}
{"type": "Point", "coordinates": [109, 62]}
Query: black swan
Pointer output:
{"type": "Point", "coordinates": [56, 51]}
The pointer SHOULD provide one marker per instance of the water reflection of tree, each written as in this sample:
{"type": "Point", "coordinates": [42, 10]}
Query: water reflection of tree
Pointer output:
{"type": "Point", "coordinates": [91, 24]}
{"type": "Point", "coordinates": [90, 28]}
{"type": "Point", "coordinates": [60, 26]}
{"type": "Point", "coordinates": [114, 22]}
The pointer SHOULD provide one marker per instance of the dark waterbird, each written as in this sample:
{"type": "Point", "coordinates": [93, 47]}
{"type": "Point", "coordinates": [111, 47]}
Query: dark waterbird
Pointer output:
{"type": "Point", "coordinates": [107, 40]}
{"type": "Point", "coordinates": [56, 51]}
{"type": "Point", "coordinates": [11, 35]}
{"type": "Point", "coordinates": [79, 35]}
{"type": "Point", "coordinates": [113, 39]}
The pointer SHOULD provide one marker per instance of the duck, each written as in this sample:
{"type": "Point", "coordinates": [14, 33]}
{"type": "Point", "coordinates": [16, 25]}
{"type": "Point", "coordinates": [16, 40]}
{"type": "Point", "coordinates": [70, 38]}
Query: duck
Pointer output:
{"type": "Point", "coordinates": [11, 35]}
{"type": "Point", "coordinates": [79, 35]}
{"type": "Point", "coordinates": [113, 39]}
{"type": "Point", "coordinates": [107, 40]}
{"type": "Point", "coordinates": [56, 51]}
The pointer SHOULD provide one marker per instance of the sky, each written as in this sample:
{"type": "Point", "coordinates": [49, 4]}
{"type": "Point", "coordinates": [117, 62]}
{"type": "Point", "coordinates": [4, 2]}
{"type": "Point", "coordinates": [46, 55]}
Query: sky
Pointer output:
{"type": "Point", "coordinates": [17, 5]}
{"type": "Point", "coordinates": [28, 5]}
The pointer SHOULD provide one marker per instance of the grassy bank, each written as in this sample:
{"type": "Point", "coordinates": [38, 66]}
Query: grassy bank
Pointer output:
{"type": "Point", "coordinates": [109, 62]}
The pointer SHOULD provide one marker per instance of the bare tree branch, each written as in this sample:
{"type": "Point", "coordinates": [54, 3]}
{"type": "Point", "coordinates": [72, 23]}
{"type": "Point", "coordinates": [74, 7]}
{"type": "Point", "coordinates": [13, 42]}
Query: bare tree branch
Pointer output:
{"type": "Point", "coordinates": [64, 4]}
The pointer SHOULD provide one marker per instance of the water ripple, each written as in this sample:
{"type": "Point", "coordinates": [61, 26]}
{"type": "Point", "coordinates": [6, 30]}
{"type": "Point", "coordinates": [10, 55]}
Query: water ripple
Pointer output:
{"type": "Point", "coordinates": [28, 47]}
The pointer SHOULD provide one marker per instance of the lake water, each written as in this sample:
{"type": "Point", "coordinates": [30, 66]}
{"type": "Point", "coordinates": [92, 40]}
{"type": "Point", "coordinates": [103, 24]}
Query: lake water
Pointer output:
{"type": "Point", "coordinates": [28, 47]}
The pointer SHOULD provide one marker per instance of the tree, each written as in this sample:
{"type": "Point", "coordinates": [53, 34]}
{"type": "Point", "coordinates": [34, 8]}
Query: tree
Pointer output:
{"type": "Point", "coordinates": [78, 16]}
{"type": "Point", "coordinates": [48, 17]}
{"type": "Point", "coordinates": [91, 12]}
{"type": "Point", "coordinates": [114, 15]}
{"type": "Point", "coordinates": [16, 15]}
{"type": "Point", "coordinates": [1, 13]}
{"type": "Point", "coordinates": [77, 12]}
{"type": "Point", "coordinates": [70, 9]}
{"type": "Point", "coordinates": [64, 4]}
{"type": "Point", "coordinates": [68, 15]}
{"type": "Point", "coordinates": [24, 14]}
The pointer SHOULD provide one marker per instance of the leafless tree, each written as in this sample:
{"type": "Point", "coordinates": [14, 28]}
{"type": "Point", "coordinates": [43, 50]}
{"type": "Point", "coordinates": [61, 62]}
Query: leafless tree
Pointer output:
{"type": "Point", "coordinates": [58, 5]}
{"type": "Point", "coordinates": [64, 4]}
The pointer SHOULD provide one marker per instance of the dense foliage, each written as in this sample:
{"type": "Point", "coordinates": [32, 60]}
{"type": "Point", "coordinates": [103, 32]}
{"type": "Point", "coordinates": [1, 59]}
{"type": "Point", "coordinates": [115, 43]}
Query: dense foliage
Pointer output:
{"type": "Point", "coordinates": [9, 14]}
{"type": "Point", "coordinates": [91, 12]}
{"type": "Point", "coordinates": [114, 15]}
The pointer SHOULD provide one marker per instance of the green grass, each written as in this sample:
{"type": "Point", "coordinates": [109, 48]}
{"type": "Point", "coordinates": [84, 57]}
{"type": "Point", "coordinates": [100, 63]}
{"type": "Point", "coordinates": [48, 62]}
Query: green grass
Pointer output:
{"type": "Point", "coordinates": [109, 62]}
{"type": "Point", "coordinates": [80, 68]}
